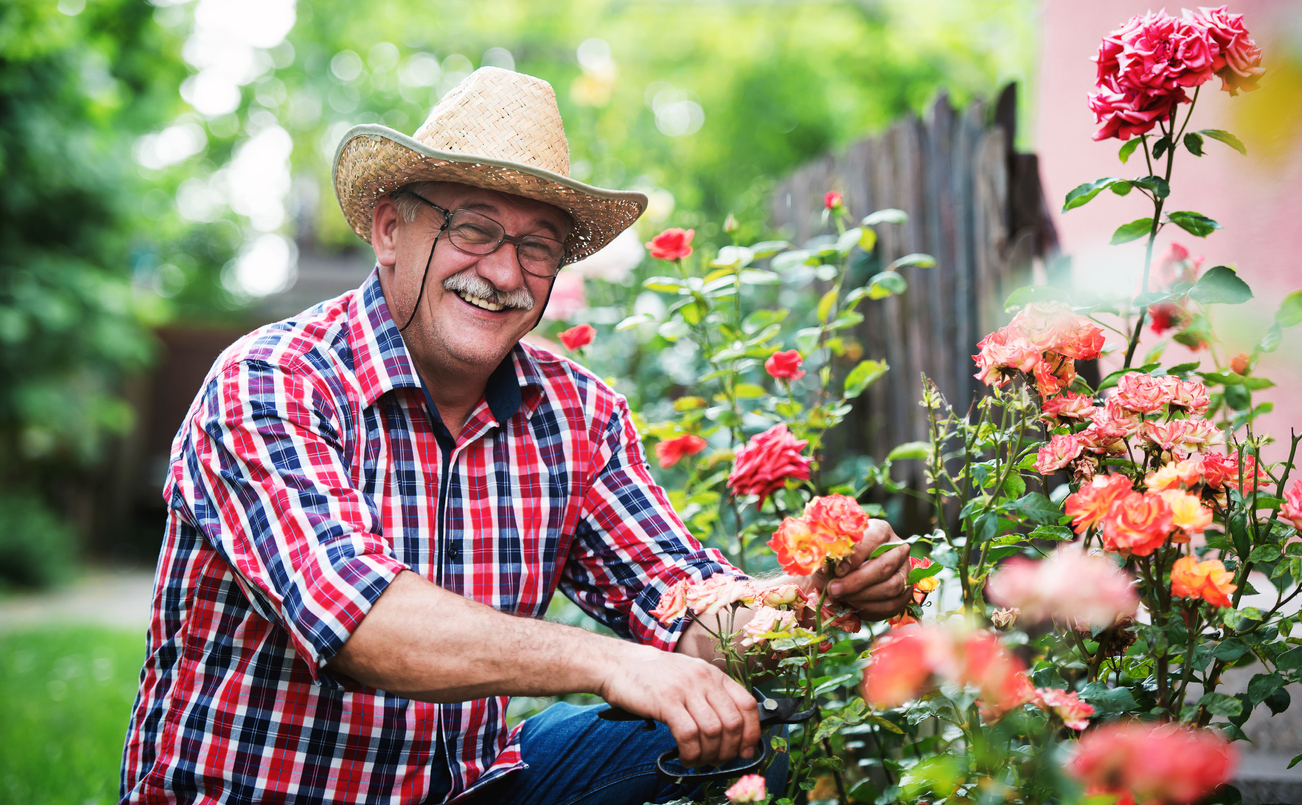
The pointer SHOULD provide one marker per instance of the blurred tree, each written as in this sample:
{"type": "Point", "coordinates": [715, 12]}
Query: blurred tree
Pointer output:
{"type": "Point", "coordinates": [77, 84]}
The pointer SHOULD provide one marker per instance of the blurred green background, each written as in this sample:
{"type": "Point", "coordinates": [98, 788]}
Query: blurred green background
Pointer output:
{"type": "Point", "coordinates": [164, 187]}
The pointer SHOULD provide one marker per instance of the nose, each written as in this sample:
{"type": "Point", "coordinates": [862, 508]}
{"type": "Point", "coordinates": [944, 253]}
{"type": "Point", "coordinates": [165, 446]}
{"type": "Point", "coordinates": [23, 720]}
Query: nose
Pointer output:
{"type": "Point", "coordinates": [502, 267]}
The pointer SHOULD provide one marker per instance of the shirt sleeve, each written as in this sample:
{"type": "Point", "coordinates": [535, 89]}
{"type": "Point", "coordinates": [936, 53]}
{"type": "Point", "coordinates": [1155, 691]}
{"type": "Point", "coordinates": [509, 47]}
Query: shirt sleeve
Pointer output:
{"type": "Point", "coordinates": [629, 545]}
{"type": "Point", "coordinates": [264, 477]}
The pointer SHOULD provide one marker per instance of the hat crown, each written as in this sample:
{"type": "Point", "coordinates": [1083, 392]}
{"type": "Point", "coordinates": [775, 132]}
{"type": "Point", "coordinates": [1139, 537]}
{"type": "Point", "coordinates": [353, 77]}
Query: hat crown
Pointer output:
{"type": "Point", "coordinates": [501, 115]}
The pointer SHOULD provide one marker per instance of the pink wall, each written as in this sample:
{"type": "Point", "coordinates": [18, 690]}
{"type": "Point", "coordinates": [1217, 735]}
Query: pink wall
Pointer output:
{"type": "Point", "coordinates": [1258, 199]}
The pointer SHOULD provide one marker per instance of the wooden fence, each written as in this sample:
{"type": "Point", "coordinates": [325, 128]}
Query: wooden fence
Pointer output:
{"type": "Point", "coordinates": [976, 206]}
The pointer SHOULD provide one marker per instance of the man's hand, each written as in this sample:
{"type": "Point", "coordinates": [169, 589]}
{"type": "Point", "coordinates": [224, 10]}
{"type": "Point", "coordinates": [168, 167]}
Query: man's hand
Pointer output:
{"type": "Point", "coordinates": [876, 588]}
{"type": "Point", "coordinates": [713, 719]}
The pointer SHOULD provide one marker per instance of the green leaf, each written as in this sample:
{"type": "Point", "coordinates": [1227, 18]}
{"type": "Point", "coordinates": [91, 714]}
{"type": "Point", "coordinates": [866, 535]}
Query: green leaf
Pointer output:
{"type": "Point", "coordinates": [1270, 341]}
{"type": "Point", "coordinates": [1220, 285]}
{"type": "Point", "coordinates": [1129, 148]}
{"type": "Point", "coordinates": [664, 284]}
{"type": "Point", "coordinates": [889, 726]}
{"type": "Point", "coordinates": [1262, 686]}
{"type": "Point", "coordinates": [826, 303]}
{"type": "Point", "coordinates": [1219, 704]}
{"type": "Point", "coordinates": [1194, 142]}
{"type": "Point", "coordinates": [1107, 699]}
{"type": "Point", "coordinates": [1155, 185]}
{"type": "Point", "coordinates": [1160, 147]}
{"type": "Point", "coordinates": [889, 215]}
{"type": "Point", "coordinates": [749, 391]}
{"type": "Point", "coordinates": [909, 450]}
{"type": "Point", "coordinates": [1230, 649]}
{"type": "Point", "coordinates": [789, 259]}
{"type": "Point", "coordinates": [634, 320]}
{"type": "Point", "coordinates": [673, 330]}
{"type": "Point", "coordinates": [985, 528]}
{"type": "Point", "coordinates": [733, 257]}
{"type": "Point", "coordinates": [1028, 294]}
{"type": "Point", "coordinates": [1195, 223]}
{"type": "Point", "coordinates": [917, 574]}
{"type": "Point", "coordinates": [1083, 194]}
{"type": "Point", "coordinates": [1290, 310]}
{"type": "Point", "coordinates": [1290, 660]}
{"type": "Point", "coordinates": [1122, 188]}
{"type": "Point", "coordinates": [1132, 231]}
{"type": "Point", "coordinates": [758, 276]}
{"type": "Point", "coordinates": [916, 260]}
{"type": "Point", "coordinates": [768, 248]}
{"type": "Point", "coordinates": [863, 376]}
{"type": "Point", "coordinates": [1037, 508]}
{"type": "Point", "coordinates": [1058, 533]}
{"type": "Point", "coordinates": [848, 240]}
{"type": "Point", "coordinates": [886, 283]}
{"type": "Point", "coordinates": [881, 549]}
{"type": "Point", "coordinates": [1225, 137]}
{"type": "Point", "coordinates": [1294, 761]}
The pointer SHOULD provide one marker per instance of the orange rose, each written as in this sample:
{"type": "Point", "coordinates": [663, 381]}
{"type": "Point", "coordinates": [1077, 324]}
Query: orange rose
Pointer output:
{"type": "Point", "coordinates": [1208, 580]}
{"type": "Point", "coordinates": [1088, 506]}
{"type": "Point", "coordinates": [838, 521]}
{"type": "Point", "coordinates": [923, 586]}
{"type": "Point", "coordinates": [670, 451]}
{"type": "Point", "coordinates": [799, 549]}
{"type": "Point", "coordinates": [1188, 514]}
{"type": "Point", "coordinates": [578, 337]}
{"type": "Point", "coordinates": [672, 244]}
{"type": "Point", "coordinates": [1138, 524]}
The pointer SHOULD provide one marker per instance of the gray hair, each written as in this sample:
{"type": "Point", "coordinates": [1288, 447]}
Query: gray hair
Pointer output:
{"type": "Point", "coordinates": [404, 198]}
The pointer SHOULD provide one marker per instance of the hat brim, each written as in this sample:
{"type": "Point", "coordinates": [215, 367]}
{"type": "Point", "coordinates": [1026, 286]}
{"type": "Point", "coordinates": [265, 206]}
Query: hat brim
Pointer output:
{"type": "Point", "coordinates": [374, 160]}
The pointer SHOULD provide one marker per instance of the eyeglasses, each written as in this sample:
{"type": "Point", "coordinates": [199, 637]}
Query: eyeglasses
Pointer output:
{"type": "Point", "coordinates": [475, 233]}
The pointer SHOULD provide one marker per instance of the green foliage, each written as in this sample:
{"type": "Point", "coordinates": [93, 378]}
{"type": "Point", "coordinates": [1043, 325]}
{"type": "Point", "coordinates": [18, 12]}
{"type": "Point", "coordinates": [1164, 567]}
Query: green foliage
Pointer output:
{"type": "Point", "coordinates": [67, 698]}
{"type": "Point", "coordinates": [36, 548]}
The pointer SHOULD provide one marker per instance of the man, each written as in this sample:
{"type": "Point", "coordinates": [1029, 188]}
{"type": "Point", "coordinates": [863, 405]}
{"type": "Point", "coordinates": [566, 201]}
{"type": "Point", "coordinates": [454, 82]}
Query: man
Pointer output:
{"type": "Point", "coordinates": [372, 504]}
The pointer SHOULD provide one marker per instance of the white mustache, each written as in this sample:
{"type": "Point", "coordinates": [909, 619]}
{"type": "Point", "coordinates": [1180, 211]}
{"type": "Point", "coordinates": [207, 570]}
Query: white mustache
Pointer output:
{"type": "Point", "coordinates": [468, 282]}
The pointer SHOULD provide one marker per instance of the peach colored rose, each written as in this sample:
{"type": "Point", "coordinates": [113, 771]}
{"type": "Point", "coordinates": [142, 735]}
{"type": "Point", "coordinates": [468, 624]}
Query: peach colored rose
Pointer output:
{"type": "Point", "coordinates": [1053, 374]}
{"type": "Point", "coordinates": [1002, 354]}
{"type": "Point", "coordinates": [1061, 450]}
{"type": "Point", "coordinates": [1068, 405]}
{"type": "Point", "coordinates": [924, 586]}
{"type": "Point", "coordinates": [901, 665]}
{"type": "Point", "coordinates": [1141, 393]}
{"type": "Point", "coordinates": [1207, 580]}
{"type": "Point", "coordinates": [766, 462]}
{"type": "Point", "coordinates": [748, 789]}
{"type": "Point", "coordinates": [1072, 587]}
{"type": "Point", "coordinates": [718, 592]}
{"type": "Point", "coordinates": [1241, 364]}
{"type": "Point", "coordinates": [1137, 524]}
{"type": "Point", "coordinates": [670, 451]}
{"type": "Point", "coordinates": [1199, 434]}
{"type": "Point", "coordinates": [765, 621]}
{"type": "Point", "coordinates": [1239, 61]}
{"type": "Point", "coordinates": [1054, 327]}
{"type": "Point", "coordinates": [1089, 505]}
{"type": "Point", "coordinates": [672, 244]}
{"type": "Point", "coordinates": [1166, 435]}
{"type": "Point", "coordinates": [839, 521]}
{"type": "Point", "coordinates": [1292, 509]}
{"type": "Point", "coordinates": [784, 595]}
{"type": "Point", "coordinates": [1188, 514]}
{"type": "Point", "coordinates": [673, 602]}
{"type": "Point", "coordinates": [578, 337]}
{"type": "Point", "coordinates": [1187, 395]}
{"type": "Point", "coordinates": [1184, 474]}
{"type": "Point", "coordinates": [1154, 763]}
{"type": "Point", "coordinates": [800, 552]}
{"type": "Point", "coordinates": [1074, 713]}
{"type": "Point", "coordinates": [785, 365]}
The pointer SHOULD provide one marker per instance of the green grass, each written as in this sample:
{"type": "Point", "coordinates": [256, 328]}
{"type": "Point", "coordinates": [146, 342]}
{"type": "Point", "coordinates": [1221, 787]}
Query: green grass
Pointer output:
{"type": "Point", "coordinates": [65, 697]}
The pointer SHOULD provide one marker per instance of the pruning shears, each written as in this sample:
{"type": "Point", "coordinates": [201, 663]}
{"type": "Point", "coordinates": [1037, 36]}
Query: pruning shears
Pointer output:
{"type": "Point", "coordinates": [773, 711]}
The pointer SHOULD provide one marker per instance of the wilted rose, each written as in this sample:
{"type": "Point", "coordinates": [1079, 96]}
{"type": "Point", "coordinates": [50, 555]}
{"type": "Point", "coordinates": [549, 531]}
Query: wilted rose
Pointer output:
{"type": "Point", "coordinates": [1207, 580]}
{"type": "Point", "coordinates": [1137, 524]}
{"type": "Point", "coordinates": [766, 462]}
{"type": "Point", "coordinates": [672, 244]}
{"type": "Point", "coordinates": [670, 451]}
{"type": "Point", "coordinates": [578, 337]}
{"type": "Point", "coordinates": [785, 365]}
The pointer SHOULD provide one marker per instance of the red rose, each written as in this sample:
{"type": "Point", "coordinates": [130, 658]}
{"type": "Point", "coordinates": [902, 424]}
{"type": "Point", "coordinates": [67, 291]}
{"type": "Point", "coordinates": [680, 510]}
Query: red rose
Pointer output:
{"type": "Point", "coordinates": [766, 462]}
{"type": "Point", "coordinates": [833, 200]}
{"type": "Point", "coordinates": [1239, 62]}
{"type": "Point", "coordinates": [670, 451]}
{"type": "Point", "coordinates": [671, 244]}
{"type": "Point", "coordinates": [785, 364]}
{"type": "Point", "coordinates": [578, 337]}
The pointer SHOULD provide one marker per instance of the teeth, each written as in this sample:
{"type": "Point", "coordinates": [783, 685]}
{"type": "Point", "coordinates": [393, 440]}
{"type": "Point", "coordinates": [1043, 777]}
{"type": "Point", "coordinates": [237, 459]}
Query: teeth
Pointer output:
{"type": "Point", "coordinates": [478, 302]}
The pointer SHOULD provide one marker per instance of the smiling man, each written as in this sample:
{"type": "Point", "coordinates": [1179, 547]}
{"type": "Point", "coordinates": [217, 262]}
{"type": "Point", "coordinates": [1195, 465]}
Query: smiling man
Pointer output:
{"type": "Point", "coordinates": [372, 503]}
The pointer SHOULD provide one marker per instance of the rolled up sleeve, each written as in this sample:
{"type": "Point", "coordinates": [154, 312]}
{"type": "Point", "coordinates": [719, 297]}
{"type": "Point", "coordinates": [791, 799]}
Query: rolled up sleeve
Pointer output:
{"type": "Point", "coordinates": [630, 546]}
{"type": "Point", "coordinates": [265, 477]}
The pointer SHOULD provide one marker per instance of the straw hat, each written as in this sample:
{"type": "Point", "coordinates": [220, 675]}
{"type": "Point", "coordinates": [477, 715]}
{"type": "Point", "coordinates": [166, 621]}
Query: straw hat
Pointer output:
{"type": "Point", "coordinates": [498, 130]}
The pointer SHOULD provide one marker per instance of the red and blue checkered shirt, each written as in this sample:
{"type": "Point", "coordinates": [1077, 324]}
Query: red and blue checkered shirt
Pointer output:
{"type": "Point", "coordinates": [309, 471]}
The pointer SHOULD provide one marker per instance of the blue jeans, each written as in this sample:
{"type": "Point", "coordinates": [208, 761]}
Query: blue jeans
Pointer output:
{"type": "Point", "coordinates": [575, 757]}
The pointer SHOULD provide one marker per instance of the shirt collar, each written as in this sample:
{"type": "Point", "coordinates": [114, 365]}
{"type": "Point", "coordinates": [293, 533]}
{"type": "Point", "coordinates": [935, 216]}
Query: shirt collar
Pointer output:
{"type": "Point", "coordinates": [382, 362]}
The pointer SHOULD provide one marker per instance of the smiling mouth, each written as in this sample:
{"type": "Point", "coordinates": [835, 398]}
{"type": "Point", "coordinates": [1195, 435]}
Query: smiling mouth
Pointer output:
{"type": "Point", "coordinates": [479, 302]}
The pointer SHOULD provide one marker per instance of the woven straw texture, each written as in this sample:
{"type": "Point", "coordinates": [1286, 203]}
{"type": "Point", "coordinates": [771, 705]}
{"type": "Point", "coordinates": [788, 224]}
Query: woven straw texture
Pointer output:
{"type": "Point", "coordinates": [498, 130]}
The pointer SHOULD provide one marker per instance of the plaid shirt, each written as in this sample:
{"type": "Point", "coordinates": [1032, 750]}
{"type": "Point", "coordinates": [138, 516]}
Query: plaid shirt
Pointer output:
{"type": "Point", "coordinates": [310, 470]}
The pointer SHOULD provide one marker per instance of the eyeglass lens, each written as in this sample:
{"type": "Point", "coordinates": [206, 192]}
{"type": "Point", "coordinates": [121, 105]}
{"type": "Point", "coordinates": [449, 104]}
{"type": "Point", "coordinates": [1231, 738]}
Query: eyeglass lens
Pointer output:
{"type": "Point", "coordinates": [478, 234]}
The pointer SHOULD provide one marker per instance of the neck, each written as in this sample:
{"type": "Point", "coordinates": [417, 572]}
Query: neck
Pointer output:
{"type": "Point", "coordinates": [455, 395]}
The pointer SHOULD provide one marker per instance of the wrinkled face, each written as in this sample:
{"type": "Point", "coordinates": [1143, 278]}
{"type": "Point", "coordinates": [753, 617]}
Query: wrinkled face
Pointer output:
{"type": "Point", "coordinates": [474, 307]}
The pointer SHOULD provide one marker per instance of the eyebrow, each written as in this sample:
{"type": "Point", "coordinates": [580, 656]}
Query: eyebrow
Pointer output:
{"type": "Point", "coordinates": [484, 206]}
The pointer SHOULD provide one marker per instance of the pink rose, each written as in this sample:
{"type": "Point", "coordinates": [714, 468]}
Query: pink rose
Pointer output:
{"type": "Point", "coordinates": [1187, 395]}
{"type": "Point", "coordinates": [766, 462]}
{"type": "Point", "coordinates": [717, 592]}
{"type": "Point", "coordinates": [1003, 353]}
{"type": "Point", "coordinates": [670, 451]}
{"type": "Point", "coordinates": [568, 297]}
{"type": "Point", "coordinates": [1165, 53]}
{"type": "Point", "coordinates": [1074, 713]}
{"type": "Point", "coordinates": [1239, 61]}
{"type": "Point", "coordinates": [1153, 762]}
{"type": "Point", "coordinates": [673, 603]}
{"type": "Point", "coordinates": [785, 365]}
{"type": "Point", "coordinates": [1166, 435]}
{"type": "Point", "coordinates": [748, 789]}
{"type": "Point", "coordinates": [784, 595]}
{"type": "Point", "coordinates": [672, 244]}
{"type": "Point", "coordinates": [1055, 327]}
{"type": "Point", "coordinates": [1142, 393]}
{"type": "Point", "coordinates": [1058, 453]}
{"type": "Point", "coordinates": [767, 620]}
{"type": "Point", "coordinates": [833, 200]}
{"type": "Point", "coordinates": [1069, 405]}
{"type": "Point", "coordinates": [1071, 586]}
{"type": "Point", "coordinates": [1292, 509]}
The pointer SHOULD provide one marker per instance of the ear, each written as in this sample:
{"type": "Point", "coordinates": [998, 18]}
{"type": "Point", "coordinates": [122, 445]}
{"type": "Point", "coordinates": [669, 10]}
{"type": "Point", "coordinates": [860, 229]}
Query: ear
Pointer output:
{"type": "Point", "coordinates": [384, 232]}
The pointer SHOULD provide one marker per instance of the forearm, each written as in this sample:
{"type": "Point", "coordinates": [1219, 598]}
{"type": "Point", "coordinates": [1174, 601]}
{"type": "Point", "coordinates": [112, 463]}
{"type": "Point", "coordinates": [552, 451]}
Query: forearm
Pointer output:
{"type": "Point", "coordinates": [425, 643]}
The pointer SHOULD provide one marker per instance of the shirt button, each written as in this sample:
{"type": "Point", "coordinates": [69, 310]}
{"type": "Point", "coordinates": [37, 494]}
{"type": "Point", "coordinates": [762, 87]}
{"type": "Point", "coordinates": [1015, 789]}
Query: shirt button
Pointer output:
{"type": "Point", "coordinates": [454, 550]}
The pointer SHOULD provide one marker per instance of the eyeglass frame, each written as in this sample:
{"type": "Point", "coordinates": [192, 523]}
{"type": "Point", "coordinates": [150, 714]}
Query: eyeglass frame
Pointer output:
{"type": "Point", "coordinates": [516, 241]}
